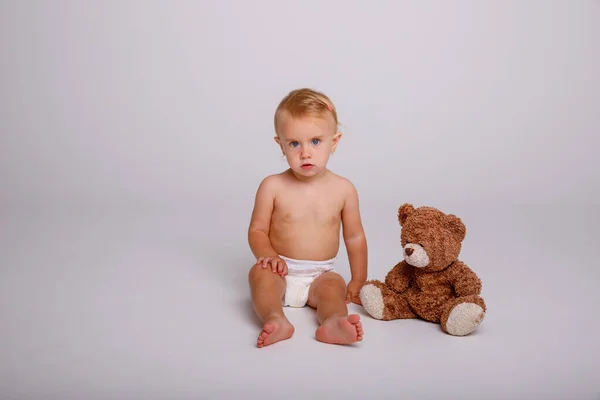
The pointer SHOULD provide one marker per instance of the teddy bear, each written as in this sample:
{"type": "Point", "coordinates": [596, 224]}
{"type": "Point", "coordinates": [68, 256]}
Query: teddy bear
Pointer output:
{"type": "Point", "coordinates": [430, 283]}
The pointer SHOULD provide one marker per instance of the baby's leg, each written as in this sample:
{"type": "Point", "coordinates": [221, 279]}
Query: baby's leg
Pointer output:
{"type": "Point", "coordinates": [328, 294]}
{"type": "Point", "coordinates": [267, 290]}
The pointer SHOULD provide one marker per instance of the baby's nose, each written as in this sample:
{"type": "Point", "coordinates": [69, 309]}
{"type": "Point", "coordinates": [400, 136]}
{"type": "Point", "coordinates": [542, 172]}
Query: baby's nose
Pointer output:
{"type": "Point", "coordinates": [409, 251]}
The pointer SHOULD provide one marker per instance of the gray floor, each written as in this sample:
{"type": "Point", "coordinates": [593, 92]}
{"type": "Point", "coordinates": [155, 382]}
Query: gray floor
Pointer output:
{"type": "Point", "coordinates": [106, 105]}
{"type": "Point", "coordinates": [151, 304]}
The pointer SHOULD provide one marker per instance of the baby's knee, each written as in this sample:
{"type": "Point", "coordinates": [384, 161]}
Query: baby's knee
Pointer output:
{"type": "Point", "coordinates": [335, 278]}
{"type": "Point", "coordinates": [331, 281]}
{"type": "Point", "coordinates": [257, 271]}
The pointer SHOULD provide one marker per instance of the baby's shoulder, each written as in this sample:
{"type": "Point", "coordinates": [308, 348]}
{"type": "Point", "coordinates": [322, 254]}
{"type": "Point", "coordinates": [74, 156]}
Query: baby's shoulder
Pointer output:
{"type": "Point", "coordinates": [342, 183]}
{"type": "Point", "coordinates": [271, 182]}
{"type": "Point", "coordinates": [271, 179]}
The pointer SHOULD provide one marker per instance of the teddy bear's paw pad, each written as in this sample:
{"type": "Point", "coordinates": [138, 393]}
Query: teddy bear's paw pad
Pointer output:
{"type": "Point", "coordinates": [464, 319]}
{"type": "Point", "coordinates": [372, 300]}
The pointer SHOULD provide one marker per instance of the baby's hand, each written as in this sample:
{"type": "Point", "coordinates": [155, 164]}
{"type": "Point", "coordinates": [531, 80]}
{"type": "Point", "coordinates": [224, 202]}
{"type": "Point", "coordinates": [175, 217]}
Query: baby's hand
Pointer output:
{"type": "Point", "coordinates": [277, 265]}
{"type": "Point", "coordinates": [353, 292]}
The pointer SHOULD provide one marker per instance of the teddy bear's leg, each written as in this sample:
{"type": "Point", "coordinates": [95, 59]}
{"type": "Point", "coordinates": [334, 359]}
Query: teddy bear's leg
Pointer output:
{"type": "Point", "coordinates": [383, 303]}
{"type": "Point", "coordinates": [461, 316]}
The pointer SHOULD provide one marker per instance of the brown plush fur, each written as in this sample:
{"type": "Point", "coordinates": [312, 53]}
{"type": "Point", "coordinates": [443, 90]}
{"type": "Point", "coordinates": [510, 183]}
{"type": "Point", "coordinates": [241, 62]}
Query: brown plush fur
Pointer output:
{"type": "Point", "coordinates": [430, 292]}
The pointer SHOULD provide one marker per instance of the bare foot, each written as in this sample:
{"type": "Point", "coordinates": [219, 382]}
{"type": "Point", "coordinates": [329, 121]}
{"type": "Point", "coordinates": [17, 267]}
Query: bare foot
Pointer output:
{"type": "Point", "coordinates": [274, 330]}
{"type": "Point", "coordinates": [341, 330]}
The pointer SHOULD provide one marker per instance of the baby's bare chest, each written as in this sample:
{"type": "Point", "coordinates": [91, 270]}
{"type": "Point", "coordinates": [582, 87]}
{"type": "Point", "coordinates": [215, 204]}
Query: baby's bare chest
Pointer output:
{"type": "Point", "coordinates": [306, 209]}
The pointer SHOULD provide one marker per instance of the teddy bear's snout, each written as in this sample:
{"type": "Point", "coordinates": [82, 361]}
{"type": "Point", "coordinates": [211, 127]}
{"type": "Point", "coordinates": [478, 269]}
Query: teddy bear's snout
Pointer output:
{"type": "Point", "coordinates": [415, 255]}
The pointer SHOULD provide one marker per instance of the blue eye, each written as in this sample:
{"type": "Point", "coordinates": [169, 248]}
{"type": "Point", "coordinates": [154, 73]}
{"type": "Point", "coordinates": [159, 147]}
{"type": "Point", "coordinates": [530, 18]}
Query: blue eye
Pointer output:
{"type": "Point", "coordinates": [294, 144]}
{"type": "Point", "coordinates": [316, 141]}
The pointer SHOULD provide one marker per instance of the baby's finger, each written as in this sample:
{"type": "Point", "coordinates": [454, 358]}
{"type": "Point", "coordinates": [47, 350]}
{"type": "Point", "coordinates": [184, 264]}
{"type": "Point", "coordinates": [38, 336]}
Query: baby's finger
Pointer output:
{"type": "Point", "coordinates": [265, 262]}
{"type": "Point", "coordinates": [281, 268]}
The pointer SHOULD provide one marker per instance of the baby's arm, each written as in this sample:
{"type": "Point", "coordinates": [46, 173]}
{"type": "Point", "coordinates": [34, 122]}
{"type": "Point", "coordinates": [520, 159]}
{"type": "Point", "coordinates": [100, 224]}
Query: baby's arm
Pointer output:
{"type": "Point", "coordinates": [258, 231]}
{"type": "Point", "coordinates": [355, 240]}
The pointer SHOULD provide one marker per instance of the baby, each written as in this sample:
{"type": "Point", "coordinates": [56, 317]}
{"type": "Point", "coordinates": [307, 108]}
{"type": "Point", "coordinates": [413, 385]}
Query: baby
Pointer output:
{"type": "Point", "coordinates": [295, 226]}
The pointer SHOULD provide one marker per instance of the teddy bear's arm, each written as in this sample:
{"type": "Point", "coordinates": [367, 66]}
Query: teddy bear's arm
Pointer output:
{"type": "Point", "coordinates": [398, 279]}
{"type": "Point", "coordinates": [464, 280]}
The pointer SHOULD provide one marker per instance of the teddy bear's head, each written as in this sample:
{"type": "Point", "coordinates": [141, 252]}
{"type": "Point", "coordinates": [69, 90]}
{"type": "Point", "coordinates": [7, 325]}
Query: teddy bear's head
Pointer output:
{"type": "Point", "coordinates": [430, 238]}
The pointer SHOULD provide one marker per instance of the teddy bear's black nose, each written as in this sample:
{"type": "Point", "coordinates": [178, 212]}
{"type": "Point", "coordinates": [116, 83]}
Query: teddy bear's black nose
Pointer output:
{"type": "Point", "coordinates": [409, 251]}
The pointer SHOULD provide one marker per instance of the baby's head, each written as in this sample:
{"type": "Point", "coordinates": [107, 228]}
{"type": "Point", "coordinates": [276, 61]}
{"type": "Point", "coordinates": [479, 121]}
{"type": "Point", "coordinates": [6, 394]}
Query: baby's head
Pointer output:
{"type": "Point", "coordinates": [306, 127]}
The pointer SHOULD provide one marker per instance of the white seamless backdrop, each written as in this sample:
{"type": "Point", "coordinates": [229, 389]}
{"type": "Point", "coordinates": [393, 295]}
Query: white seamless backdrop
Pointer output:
{"type": "Point", "coordinates": [163, 102]}
{"type": "Point", "coordinates": [133, 136]}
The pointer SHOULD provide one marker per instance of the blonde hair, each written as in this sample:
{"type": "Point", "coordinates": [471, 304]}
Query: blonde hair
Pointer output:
{"type": "Point", "coordinates": [305, 102]}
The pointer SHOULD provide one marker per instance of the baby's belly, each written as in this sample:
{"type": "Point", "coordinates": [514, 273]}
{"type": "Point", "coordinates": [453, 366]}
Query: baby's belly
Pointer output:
{"type": "Point", "coordinates": [307, 244]}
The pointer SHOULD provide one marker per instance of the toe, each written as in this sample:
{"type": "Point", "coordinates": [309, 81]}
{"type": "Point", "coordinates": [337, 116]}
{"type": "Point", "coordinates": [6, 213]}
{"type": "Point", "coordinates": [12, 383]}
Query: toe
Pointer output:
{"type": "Point", "coordinates": [354, 319]}
{"type": "Point", "coordinates": [268, 328]}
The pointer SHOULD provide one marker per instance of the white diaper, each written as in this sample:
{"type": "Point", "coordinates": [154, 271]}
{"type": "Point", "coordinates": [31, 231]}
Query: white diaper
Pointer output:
{"type": "Point", "coordinates": [301, 274]}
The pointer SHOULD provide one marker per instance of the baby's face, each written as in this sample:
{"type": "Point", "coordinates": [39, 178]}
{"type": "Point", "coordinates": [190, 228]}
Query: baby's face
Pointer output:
{"type": "Point", "coordinates": [307, 143]}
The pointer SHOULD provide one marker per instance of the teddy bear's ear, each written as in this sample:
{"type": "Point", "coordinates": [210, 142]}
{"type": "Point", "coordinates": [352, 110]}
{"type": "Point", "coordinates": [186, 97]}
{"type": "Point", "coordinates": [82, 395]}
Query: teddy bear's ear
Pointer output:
{"type": "Point", "coordinates": [404, 211]}
{"type": "Point", "coordinates": [456, 226]}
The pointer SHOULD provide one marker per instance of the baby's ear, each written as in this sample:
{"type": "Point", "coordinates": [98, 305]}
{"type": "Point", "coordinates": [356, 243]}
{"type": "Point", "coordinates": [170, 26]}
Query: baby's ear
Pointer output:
{"type": "Point", "coordinates": [336, 141]}
{"type": "Point", "coordinates": [278, 141]}
{"type": "Point", "coordinates": [404, 211]}
{"type": "Point", "coordinates": [456, 226]}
